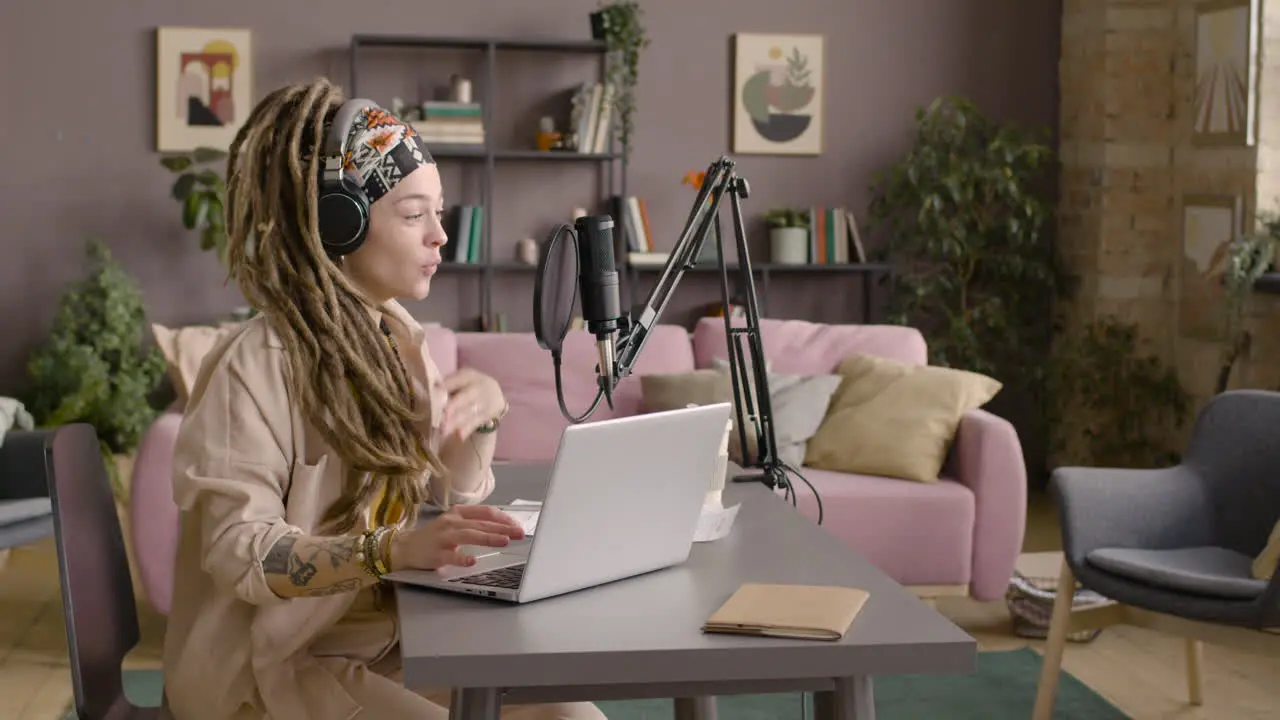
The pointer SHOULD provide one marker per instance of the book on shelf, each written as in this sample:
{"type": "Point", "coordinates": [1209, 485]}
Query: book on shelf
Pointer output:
{"type": "Point", "coordinates": [833, 237]}
{"type": "Point", "coordinates": [452, 124]}
{"type": "Point", "coordinates": [591, 119]}
{"type": "Point", "coordinates": [631, 218]}
{"type": "Point", "coordinates": [466, 234]}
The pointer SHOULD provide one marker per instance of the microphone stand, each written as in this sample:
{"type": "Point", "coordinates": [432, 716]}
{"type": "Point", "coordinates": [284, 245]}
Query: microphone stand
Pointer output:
{"type": "Point", "coordinates": [745, 349]}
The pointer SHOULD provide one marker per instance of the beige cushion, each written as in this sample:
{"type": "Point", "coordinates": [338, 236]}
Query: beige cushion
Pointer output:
{"type": "Point", "coordinates": [894, 419]}
{"type": "Point", "coordinates": [1265, 564]}
{"type": "Point", "coordinates": [799, 404]}
{"type": "Point", "coordinates": [184, 349]}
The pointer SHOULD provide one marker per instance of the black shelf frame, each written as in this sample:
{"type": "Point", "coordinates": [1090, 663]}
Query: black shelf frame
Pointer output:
{"type": "Point", "coordinates": [614, 161]}
{"type": "Point", "coordinates": [870, 273]}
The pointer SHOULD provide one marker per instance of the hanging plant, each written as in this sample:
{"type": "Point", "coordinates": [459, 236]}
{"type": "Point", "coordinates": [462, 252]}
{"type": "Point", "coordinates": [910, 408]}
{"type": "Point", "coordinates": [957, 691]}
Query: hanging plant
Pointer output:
{"type": "Point", "coordinates": [202, 192]}
{"type": "Point", "coordinates": [619, 25]}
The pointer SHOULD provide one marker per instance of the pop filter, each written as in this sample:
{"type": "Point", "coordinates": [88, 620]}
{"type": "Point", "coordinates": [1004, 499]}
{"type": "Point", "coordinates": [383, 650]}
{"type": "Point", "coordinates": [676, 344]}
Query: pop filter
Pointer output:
{"type": "Point", "coordinates": [555, 288]}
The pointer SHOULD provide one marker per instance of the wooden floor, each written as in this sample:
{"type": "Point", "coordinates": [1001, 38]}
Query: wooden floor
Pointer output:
{"type": "Point", "coordinates": [1140, 672]}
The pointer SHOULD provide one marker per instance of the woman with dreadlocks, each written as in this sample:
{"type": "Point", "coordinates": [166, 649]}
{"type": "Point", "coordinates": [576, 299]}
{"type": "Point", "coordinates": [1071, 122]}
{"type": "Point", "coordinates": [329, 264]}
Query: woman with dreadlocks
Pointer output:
{"type": "Point", "coordinates": [316, 428]}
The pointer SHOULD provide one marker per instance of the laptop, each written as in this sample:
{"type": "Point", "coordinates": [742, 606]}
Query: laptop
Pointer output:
{"type": "Point", "coordinates": [624, 499]}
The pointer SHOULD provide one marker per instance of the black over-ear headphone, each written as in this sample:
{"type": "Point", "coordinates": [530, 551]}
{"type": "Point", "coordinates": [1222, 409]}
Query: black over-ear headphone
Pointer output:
{"type": "Point", "coordinates": [343, 207]}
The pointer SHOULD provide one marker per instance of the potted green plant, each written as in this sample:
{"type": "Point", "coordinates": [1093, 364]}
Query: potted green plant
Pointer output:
{"type": "Point", "coordinates": [1248, 258]}
{"type": "Point", "coordinates": [962, 215]}
{"type": "Point", "coordinates": [95, 368]}
{"type": "Point", "coordinates": [788, 235]}
{"type": "Point", "coordinates": [1114, 406]}
{"type": "Point", "coordinates": [619, 25]}
{"type": "Point", "coordinates": [202, 192]}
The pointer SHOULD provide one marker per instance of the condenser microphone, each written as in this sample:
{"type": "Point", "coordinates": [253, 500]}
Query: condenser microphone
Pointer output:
{"type": "Point", "coordinates": [598, 283]}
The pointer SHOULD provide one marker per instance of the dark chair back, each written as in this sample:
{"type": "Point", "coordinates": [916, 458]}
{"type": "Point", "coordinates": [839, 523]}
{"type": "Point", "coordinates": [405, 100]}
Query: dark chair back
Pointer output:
{"type": "Point", "coordinates": [97, 592]}
{"type": "Point", "coordinates": [1233, 447]}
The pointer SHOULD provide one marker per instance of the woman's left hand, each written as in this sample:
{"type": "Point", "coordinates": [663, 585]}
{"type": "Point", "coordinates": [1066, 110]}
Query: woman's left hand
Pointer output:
{"type": "Point", "coordinates": [475, 399]}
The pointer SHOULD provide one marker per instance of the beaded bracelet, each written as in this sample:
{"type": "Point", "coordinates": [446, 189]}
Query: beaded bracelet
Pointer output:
{"type": "Point", "coordinates": [373, 554]}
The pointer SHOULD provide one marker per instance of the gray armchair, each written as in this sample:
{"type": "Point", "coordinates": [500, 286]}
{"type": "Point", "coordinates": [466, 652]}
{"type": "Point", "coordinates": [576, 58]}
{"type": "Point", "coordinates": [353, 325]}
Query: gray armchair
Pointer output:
{"type": "Point", "coordinates": [26, 514]}
{"type": "Point", "coordinates": [1173, 547]}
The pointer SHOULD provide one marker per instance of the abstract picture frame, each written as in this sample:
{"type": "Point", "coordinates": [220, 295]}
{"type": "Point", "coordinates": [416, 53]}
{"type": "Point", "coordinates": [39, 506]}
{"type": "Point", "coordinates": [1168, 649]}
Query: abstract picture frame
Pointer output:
{"type": "Point", "coordinates": [204, 86]}
{"type": "Point", "coordinates": [1210, 224]}
{"type": "Point", "coordinates": [1226, 73]}
{"type": "Point", "coordinates": [778, 103]}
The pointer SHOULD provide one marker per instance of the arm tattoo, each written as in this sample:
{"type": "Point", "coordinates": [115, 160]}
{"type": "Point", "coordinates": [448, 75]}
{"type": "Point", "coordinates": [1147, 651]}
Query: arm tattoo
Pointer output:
{"type": "Point", "coordinates": [336, 588]}
{"type": "Point", "coordinates": [299, 564]}
{"type": "Point", "coordinates": [278, 557]}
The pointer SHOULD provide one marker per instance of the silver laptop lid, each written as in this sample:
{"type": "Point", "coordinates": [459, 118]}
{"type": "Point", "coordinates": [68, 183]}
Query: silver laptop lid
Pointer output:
{"type": "Point", "coordinates": [624, 498]}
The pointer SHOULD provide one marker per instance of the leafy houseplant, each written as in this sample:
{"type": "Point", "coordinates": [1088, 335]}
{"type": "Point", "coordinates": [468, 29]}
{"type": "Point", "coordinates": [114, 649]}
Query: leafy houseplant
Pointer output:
{"type": "Point", "coordinates": [619, 25]}
{"type": "Point", "coordinates": [785, 217]}
{"type": "Point", "coordinates": [94, 367]}
{"type": "Point", "coordinates": [1248, 258]}
{"type": "Point", "coordinates": [963, 218]}
{"type": "Point", "coordinates": [1128, 402]}
{"type": "Point", "coordinates": [202, 192]}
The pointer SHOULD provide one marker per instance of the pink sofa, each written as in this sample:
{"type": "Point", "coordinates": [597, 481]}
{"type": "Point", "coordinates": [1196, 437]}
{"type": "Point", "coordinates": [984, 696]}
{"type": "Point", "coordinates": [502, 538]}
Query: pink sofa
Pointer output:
{"type": "Point", "coordinates": [957, 536]}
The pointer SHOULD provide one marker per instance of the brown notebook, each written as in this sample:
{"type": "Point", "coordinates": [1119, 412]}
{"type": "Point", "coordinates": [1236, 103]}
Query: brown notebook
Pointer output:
{"type": "Point", "coordinates": [805, 612]}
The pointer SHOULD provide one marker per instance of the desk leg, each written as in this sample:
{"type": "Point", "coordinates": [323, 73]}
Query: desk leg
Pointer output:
{"type": "Point", "coordinates": [851, 700]}
{"type": "Point", "coordinates": [695, 708]}
{"type": "Point", "coordinates": [475, 704]}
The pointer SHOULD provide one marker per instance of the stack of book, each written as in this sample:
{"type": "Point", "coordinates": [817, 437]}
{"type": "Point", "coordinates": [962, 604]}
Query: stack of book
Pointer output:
{"type": "Point", "coordinates": [631, 215]}
{"type": "Point", "coordinates": [591, 120]}
{"type": "Point", "coordinates": [834, 237]}
{"type": "Point", "coordinates": [466, 235]}
{"type": "Point", "coordinates": [450, 123]}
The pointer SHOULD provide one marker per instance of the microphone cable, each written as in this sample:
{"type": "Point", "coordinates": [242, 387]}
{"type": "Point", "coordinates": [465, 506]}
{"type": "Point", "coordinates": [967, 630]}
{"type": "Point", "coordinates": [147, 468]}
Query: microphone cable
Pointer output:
{"type": "Point", "coordinates": [557, 353]}
{"type": "Point", "coordinates": [564, 408]}
{"type": "Point", "coordinates": [789, 492]}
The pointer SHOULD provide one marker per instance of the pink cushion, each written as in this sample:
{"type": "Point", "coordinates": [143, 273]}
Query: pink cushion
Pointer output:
{"type": "Point", "coordinates": [442, 345]}
{"type": "Point", "coordinates": [153, 516]}
{"type": "Point", "coordinates": [801, 347]}
{"type": "Point", "coordinates": [531, 430]}
{"type": "Point", "coordinates": [917, 533]}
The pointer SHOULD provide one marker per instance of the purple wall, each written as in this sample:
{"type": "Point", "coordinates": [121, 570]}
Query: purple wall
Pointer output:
{"type": "Point", "coordinates": [78, 126]}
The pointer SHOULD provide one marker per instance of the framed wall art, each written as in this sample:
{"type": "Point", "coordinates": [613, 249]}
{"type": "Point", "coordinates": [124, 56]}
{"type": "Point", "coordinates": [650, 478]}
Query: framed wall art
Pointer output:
{"type": "Point", "coordinates": [1226, 91]}
{"type": "Point", "coordinates": [1210, 223]}
{"type": "Point", "coordinates": [778, 88]}
{"type": "Point", "coordinates": [204, 86]}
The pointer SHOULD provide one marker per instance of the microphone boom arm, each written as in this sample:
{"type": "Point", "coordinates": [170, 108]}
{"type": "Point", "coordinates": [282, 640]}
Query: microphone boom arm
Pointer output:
{"type": "Point", "coordinates": [745, 350]}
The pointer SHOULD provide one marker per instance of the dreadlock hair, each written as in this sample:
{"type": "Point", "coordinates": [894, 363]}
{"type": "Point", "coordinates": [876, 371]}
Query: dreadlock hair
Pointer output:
{"type": "Point", "coordinates": [345, 375]}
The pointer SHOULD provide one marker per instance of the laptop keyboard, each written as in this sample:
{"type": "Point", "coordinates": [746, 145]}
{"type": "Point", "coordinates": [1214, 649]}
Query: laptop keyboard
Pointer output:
{"type": "Point", "coordinates": [507, 577]}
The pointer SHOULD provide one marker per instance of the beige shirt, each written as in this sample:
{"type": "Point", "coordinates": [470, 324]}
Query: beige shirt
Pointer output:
{"type": "Point", "coordinates": [247, 470]}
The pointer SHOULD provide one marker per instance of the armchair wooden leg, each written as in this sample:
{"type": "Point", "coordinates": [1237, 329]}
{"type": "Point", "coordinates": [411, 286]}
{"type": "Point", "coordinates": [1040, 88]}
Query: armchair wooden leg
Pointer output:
{"type": "Point", "coordinates": [1195, 672]}
{"type": "Point", "coordinates": [1055, 643]}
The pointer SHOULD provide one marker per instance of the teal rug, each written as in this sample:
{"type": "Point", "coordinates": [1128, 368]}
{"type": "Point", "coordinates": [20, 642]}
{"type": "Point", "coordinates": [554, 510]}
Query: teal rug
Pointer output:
{"type": "Point", "coordinates": [1004, 687]}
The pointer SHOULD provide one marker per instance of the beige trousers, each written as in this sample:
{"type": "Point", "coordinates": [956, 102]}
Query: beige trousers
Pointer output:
{"type": "Point", "coordinates": [382, 694]}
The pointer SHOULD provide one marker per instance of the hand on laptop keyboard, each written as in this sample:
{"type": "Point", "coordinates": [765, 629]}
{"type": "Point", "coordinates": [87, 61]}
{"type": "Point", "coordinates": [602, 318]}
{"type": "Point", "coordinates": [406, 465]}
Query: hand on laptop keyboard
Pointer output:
{"type": "Point", "coordinates": [435, 543]}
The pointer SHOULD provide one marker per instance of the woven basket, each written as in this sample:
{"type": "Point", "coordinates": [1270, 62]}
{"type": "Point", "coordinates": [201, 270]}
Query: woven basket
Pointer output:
{"type": "Point", "coordinates": [1030, 602]}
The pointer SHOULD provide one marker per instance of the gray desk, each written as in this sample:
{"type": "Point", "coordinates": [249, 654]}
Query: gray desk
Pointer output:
{"type": "Point", "coordinates": [641, 637]}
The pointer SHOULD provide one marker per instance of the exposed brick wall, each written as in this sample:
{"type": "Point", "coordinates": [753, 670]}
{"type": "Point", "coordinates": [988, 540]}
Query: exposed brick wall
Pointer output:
{"type": "Point", "coordinates": [1127, 83]}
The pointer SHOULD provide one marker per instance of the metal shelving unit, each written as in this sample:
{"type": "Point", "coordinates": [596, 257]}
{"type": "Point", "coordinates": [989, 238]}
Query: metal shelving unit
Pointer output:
{"type": "Point", "coordinates": [763, 272]}
{"type": "Point", "coordinates": [614, 162]}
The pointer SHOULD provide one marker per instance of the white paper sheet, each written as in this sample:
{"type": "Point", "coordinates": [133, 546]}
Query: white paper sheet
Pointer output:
{"type": "Point", "coordinates": [715, 522]}
{"type": "Point", "coordinates": [528, 519]}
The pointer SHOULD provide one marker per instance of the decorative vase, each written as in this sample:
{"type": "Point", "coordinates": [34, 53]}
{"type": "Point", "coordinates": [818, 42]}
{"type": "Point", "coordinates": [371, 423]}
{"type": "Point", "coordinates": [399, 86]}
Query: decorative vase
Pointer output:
{"type": "Point", "coordinates": [789, 246]}
{"type": "Point", "coordinates": [597, 25]}
{"type": "Point", "coordinates": [527, 251]}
